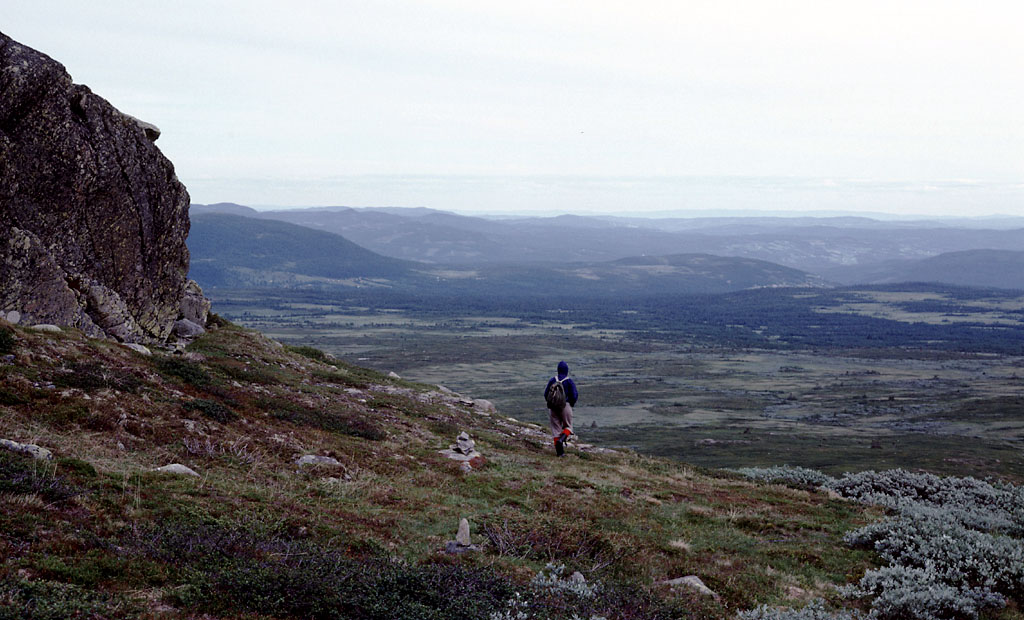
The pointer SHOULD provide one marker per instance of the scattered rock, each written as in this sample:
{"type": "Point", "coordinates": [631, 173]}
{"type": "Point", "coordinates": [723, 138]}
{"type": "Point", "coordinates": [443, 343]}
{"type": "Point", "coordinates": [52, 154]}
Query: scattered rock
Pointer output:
{"type": "Point", "coordinates": [195, 306]}
{"type": "Point", "coordinates": [47, 327]}
{"type": "Point", "coordinates": [694, 582]}
{"type": "Point", "coordinates": [462, 542]}
{"type": "Point", "coordinates": [484, 407]}
{"type": "Point", "coordinates": [13, 317]}
{"type": "Point", "coordinates": [393, 375]}
{"type": "Point", "coordinates": [577, 577]}
{"type": "Point", "coordinates": [177, 469]}
{"type": "Point", "coordinates": [462, 537]}
{"type": "Point", "coordinates": [184, 328]}
{"type": "Point", "coordinates": [314, 459]}
{"type": "Point", "coordinates": [30, 449]}
{"type": "Point", "coordinates": [138, 348]}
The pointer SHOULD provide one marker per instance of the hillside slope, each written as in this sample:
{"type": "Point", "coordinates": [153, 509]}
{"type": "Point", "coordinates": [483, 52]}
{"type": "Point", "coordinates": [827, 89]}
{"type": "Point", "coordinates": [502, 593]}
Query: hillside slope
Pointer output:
{"type": "Point", "coordinates": [233, 250]}
{"type": "Point", "coordinates": [980, 268]}
{"type": "Point", "coordinates": [362, 534]}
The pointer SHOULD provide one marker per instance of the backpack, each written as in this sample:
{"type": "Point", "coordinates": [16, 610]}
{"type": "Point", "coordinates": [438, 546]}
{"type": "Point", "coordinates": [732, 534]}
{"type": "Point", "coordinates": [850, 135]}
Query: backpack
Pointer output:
{"type": "Point", "coordinates": [556, 395]}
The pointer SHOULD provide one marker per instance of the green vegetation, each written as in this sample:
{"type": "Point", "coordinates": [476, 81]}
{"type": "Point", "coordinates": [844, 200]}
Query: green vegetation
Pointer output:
{"type": "Point", "coordinates": [847, 379]}
{"type": "Point", "coordinates": [95, 532]}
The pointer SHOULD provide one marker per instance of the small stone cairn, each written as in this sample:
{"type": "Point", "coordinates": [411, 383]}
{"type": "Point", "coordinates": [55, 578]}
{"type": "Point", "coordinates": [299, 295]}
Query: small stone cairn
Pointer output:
{"type": "Point", "coordinates": [462, 542]}
{"type": "Point", "coordinates": [464, 451]}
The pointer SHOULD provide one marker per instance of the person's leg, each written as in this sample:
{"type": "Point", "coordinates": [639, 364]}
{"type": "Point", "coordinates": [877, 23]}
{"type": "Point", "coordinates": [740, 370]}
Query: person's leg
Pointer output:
{"type": "Point", "coordinates": [558, 430]}
{"type": "Point", "coordinates": [555, 419]}
{"type": "Point", "coordinates": [567, 418]}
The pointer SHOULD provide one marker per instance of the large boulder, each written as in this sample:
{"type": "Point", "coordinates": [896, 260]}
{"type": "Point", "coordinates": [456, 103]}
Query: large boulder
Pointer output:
{"type": "Point", "coordinates": [93, 219]}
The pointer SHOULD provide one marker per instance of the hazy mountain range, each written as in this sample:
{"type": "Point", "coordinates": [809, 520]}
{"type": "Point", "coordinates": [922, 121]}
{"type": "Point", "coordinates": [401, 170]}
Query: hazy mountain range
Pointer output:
{"type": "Point", "coordinates": [419, 245]}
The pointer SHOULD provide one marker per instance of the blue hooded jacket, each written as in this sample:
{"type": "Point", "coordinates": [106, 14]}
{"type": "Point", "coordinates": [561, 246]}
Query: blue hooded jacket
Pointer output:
{"type": "Point", "coordinates": [571, 394]}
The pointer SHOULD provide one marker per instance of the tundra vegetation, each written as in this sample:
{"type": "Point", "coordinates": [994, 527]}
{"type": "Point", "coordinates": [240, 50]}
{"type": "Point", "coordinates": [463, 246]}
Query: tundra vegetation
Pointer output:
{"type": "Point", "coordinates": [913, 375]}
{"type": "Point", "coordinates": [98, 532]}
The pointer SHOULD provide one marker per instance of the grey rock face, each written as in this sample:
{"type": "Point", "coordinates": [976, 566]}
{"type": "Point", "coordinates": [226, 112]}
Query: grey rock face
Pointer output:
{"type": "Point", "coordinates": [195, 306]}
{"type": "Point", "coordinates": [93, 219]}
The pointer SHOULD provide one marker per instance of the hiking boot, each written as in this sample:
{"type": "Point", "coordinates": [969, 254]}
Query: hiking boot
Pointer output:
{"type": "Point", "coordinates": [560, 446]}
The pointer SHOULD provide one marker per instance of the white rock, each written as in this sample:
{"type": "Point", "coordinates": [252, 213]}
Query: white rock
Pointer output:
{"type": "Point", "coordinates": [692, 581]}
{"type": "Point", "coordinates": [13, 317]}
{"type": "Point", "coordinates": [177, 469]}
{"type": "Point", "coordinates": [47, 327]}
{"type": "Point", "coordinates": [314, 459]}
{"type": "Point", "coordinates": [138, 348]}
{"type": "Point", "coordinates": [393, 375]}
{"type": "Point", "coordinates": [30, 449]}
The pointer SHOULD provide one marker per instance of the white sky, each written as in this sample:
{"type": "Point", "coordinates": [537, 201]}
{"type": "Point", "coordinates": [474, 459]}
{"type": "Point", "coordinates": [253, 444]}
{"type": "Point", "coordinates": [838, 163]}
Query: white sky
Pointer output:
{"type": "Point", "coordinates": [463, 104]}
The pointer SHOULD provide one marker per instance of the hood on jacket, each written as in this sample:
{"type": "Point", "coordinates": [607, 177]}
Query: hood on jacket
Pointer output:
{"type": "Point", "coordinates": [563, 370]}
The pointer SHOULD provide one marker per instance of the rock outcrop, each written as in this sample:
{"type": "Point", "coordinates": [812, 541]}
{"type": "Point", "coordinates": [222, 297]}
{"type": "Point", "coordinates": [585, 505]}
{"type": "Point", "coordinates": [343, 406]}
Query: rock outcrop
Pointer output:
{"type": "Point", "coordinates": [93, 219]}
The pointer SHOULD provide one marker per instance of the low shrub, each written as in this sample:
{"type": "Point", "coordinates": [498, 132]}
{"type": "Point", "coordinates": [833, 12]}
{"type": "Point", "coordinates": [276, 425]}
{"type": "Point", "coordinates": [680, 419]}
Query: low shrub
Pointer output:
{"type": "Point", "coordinates": [211, 409]}
{"type": "Point", "coordinates": [971, 502]}
{"type": "Point", "coordinates": [310, 352]}
{"type": "Point", "coordinates": [800, 477]}
{"type": "Point", "coordinates": [953, 546]}
{"type": "Point", "coordinates": [815, 610]}
{"type": "Point", "coordinates": [90, 376]}
{"type": "Point", "coordinates": [22, 475]}
{"type": "Point", "coordinates": [184, 370]}
{"type": "Point", "coordinates": [337, 421]}
{"type": "Point", "coordinates": [250, 569]}
{"type": "Point", "coordinates": [47, 600]}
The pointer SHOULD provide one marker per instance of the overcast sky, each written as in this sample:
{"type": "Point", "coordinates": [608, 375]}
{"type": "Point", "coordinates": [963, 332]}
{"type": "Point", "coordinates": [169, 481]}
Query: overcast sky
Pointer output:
{"type": "Point", "coordinates": [906, 107]}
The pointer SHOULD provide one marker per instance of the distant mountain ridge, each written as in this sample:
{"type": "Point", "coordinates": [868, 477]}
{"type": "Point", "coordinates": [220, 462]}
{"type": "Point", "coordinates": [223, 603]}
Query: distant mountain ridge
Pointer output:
{"type": "Point", "coordinates": [812, 244]}
{"type": "Point", "coordinates": [237, 251]}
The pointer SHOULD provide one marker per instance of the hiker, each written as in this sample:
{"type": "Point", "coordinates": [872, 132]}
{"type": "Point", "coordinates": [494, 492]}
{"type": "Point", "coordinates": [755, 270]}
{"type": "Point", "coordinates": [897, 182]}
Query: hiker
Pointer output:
{"type": "Point", "coordinates": [561, 395]}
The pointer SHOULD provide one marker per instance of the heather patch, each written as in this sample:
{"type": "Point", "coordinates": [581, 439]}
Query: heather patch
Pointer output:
{"type": "Point", "coordinates": [211, 409]}
{"type": "Point", "coordinates": [252, 569]}
{"type": "Point", "coordinates": [21, 475]}
{"type": "Point", "coordinates": [47, 600]}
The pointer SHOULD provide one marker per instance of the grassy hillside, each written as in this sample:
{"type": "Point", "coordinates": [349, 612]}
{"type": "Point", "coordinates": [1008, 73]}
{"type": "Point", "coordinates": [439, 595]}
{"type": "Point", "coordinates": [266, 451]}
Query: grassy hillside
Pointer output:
{"type": "Point", "coordinates": [97, 532]}
{"type": "Point", "coordinates": [255, 535]}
